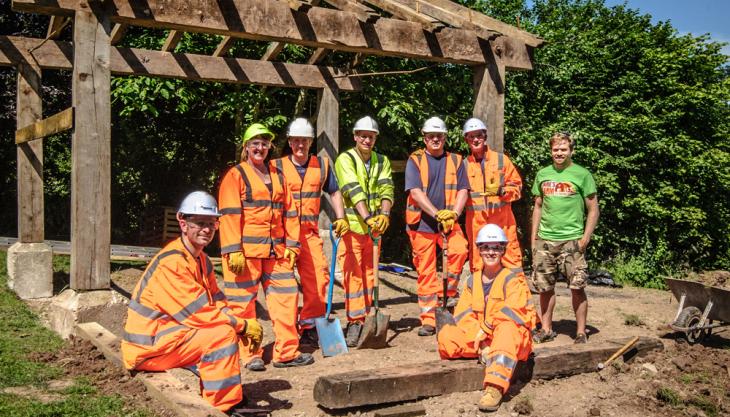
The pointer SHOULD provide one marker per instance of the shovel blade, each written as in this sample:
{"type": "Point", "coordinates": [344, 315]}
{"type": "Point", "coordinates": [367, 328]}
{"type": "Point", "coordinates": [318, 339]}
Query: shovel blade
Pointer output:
{"type": "Point", "coordinates": [374, 333]}
{"type": "Point", "coordinates": [443, 318]}
{"type": "Point", "coordinates": [331, 338]}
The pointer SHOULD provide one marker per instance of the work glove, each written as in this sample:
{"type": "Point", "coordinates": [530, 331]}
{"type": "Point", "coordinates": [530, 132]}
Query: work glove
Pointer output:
{"type": "Point", "coordinates": [254, 334]}
{"type": "Point", "coordinates": [236, 262]}
{"type": "Point", "coordinates": [447, 225]}
{"type": "Point", "coordinates": [491, 189]}
{"type": "Point", "coordinates": [341, 227]}
{"type": "Point", "coordinates": [442, 215]}
{"type": "Point", "coordinates": [290, 256]}
{"type": "Point", "coordinates": [372, 223]}
{"type": "Point", "coordinates": [383, 222]}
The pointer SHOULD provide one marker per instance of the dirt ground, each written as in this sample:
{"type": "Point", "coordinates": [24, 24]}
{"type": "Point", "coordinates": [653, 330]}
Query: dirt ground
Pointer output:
{"type": "Point", "coordinates": [683, 380]}
{"type": "Point", "coordinates": [712, 278]}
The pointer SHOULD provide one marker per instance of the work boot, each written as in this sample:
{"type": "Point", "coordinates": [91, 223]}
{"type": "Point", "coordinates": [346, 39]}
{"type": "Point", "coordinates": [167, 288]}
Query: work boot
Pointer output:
{"type": "Point", "coordinates": [309, 337]}
{"type": "Point", "coordinates": [301, 360]}
{"type": "Point", "coordinates": [580, 338]}
{"type": "Point", "coordinates": [353, 333]}
{"type": "Point", "coordinates": [256, 365]}
{"type": "Point", "coordinates": [427, 330]}
{"type": "Point", "coordinates": [491, 399]}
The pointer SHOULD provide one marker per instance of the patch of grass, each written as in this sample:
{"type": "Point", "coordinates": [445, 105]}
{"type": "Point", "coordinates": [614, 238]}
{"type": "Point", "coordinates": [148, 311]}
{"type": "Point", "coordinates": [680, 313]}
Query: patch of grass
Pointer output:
{"type": "Point", "coordinates": [705, 404]}
{"type": "Point", "coordinates": [693, 377]}
{"type": "Point", "coordinates": [633, 320]}
{"type": "Point", "coordinates": [668, 396]}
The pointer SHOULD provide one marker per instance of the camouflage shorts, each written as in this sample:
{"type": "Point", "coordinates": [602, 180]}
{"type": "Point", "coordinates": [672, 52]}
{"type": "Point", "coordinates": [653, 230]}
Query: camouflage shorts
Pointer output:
{"type": "Point", "coordinates": [552, 257]}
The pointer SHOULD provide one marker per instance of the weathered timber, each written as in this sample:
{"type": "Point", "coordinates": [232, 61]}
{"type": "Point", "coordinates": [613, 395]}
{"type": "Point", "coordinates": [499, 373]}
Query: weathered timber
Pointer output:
{"type": "Point", "coordinates": [130, 61]}
{"type": "Point", "coordinates": [30, 157]}
{"type": "Point", "coordinates": [273, 50]}
{"type": "Point", "coordinates": [361, 11]}
{"type": "Point", "coordinates": [328, 143]}
{"type": "Point", "coordinates": [489, 102]}
{"type": "Point", "coordinates": [178, 397]}
{"type": "Point", "coordinates": [318, 55]}
{"type": "Point", "coordinates": [91, 154]}
{"type": "Point", "coordinates": [409, 382]}
{"type": "Point", "coordinates": [224, 46]}
{"type": "Point", "coordinates": [118, 32]}
{"type": "Point", "coordinates": [59, 122]}
{"type": "Point", "coordinates": [55, 25]}
{"type": "Point", "coordinates": [173, 38]}
{"type": "Point", "coordinates": [316, 27]}
{"type": "Point", "coordinates": [407, 13]}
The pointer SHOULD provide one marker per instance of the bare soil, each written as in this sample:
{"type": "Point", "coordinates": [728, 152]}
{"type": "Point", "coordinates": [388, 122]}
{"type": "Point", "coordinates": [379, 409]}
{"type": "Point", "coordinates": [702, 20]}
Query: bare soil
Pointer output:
{"type": "Point", "coordinates": [712, 278]}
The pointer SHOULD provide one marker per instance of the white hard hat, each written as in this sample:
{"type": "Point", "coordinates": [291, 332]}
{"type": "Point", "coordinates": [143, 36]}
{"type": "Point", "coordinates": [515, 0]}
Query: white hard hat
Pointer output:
{"type": "Point", "coordinates": [491, 233]}
{"type": "Point", "coordinates": [199, 203]}
{"type": "Point", "coordinates": [434, 125]}
{"type": "Point", "coordinates": [473, 124]}
{"type": "Point", "coordinates": [301, 128]}
{"type": "Point", "coordinates": [366, 123]}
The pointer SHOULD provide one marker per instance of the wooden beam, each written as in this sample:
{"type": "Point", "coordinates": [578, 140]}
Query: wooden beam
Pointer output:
{"type": "Point", "coordinates": [55, 26]}
{"type": "Point", "coordinates": [316, 27]}
{"type": "Point", "coordinates": [224, 46]}
{"type": "Point", "coordinates": [91, 154]}
{"type": "Point", "coordinates": [173, 38]}
{"type": "Point", "coordinates": [409, 382]}
{"type": "Point", "coordinates": [30, 157]}
{"type": "Point", "coordinates": [407, 13]}
{"type": "Point", "coordinates": [273, 50]}
{"type": "Point", "coordinates": [318, 55]}
{"type": "Point", "coordinates": [118, 32]}
{"type": "Point", "coordinates": [361, 11]}
{"type": "Point", "coordinates": [328, 142]}
{"type": "Point", "coordinates": [130, 61]}
{"type": "Point", "coordinates": [489, 91]}
{"type": "Point", "coordinates": [59, 122]}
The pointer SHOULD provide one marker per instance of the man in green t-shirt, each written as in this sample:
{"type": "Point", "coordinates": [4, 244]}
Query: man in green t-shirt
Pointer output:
{"type": "Point", "coordinates": [563, 220]}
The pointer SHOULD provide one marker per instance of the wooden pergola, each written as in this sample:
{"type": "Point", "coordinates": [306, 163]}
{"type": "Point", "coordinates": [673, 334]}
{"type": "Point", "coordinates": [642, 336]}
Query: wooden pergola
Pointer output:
{"type": "Point", "coordinates": [431, 30]}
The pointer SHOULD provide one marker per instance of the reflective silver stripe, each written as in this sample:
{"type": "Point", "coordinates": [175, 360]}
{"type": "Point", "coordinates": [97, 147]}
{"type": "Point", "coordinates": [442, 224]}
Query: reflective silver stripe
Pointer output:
{"type": "Point", "coordinates": [477, 207]}
{"type": "Point", "coordinates": [151, 270]}
{"type": "Point", "coordinates": [311, 194]}
{"type": "Point", "coordinates": [475, 195]}
{"type": "Point", "coordinates": [236, 247]}
{"type": "Point", "coordinates": [221, 383]}
{"type": "Point", "coordinates": [494, 206]}
{"type": "Point", "coordinates": [219, 354]}
{"type": "Point", "coordinates": [310, 218]}
{"type": "Point", "coordinates": [291, 214]}
{"type": "Point", "coordinates": [241, 298]}
{"type": "Point", "coordinates": [232, 319]}
{"type": "Point", "coordinates": [470, 282]}
{"type": "Point", "coordinates": [256, 203]}
{"type": "Point", "coordinates": [306, 322]}
{"type": "Point", "coordinates": [452, 275]}
{"type": "Point", "coordinates": [425, 310]}
{"type": "Point", "coordinates": [498, 375]}
{"type": "Point", "coordinates": [191, 308]}
{"type": "Point", "coordinates": [507, 279]}
{"type": "Point", "coordinates": [279, 276]}
{"type": "Point", "coordinates": [243, 284]}
{"type": "Point", "coordinates": [511, 314]}
{"type": "Point", "coordinates": [282, 290]}
{"type": "Point", "coordinates": [431, 297]}
{"type": "Point", "coordinates": [147, 340]}
{"type": "Point", "coordinates": [260, 240]}
{"type": "Point", "coordinates": [450, 186]}
{"type": "Point", "coordinates": [503, 360]}
{"type": "Point", "coordinates": [292, 243]}
{"type": "Point", "coordinates": [463, 314]}
{"type": "Point", "coordinates": [249, 190]}
{"type": "Point", "coordinates": [230, 210]}
{"type": "Point", "coordinates": [219, 296]}
{"type": "Point", "coordinates": [347, 187]}
{"type": "Point", "coordinates": [385, 181]}
{"type": "Point", "coordinates": [277, 205]}
{"type": "Point", "coordinates": [145, 311]}
{"type": "Point", "coordinates": [358, 294]}
{"type": "Point", "coordinates": [356, 313]}
{"type": "Point", "coordinates": [356, 190]}
{"type": "Point", "coordinates": [413, 208]}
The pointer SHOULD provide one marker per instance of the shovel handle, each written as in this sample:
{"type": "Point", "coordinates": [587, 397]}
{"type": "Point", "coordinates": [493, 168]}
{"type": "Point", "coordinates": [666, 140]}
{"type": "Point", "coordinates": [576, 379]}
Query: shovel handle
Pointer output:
{"type": "Point", "coordinates": [376, 266]}
{"type": "Point", "coordinates": [444, 263]}
{"type": "Point", "coordinates": [333, 266]}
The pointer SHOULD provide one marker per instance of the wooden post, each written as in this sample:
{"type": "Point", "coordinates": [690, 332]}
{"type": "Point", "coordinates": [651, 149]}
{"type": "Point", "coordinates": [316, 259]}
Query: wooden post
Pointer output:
{"type": "Point", "coordinates": [489, 101]}
{"type": "Point", "coordinates": [328, 141]}
{"type": "Point", "coordinates": [91, 158]}
{"type": "Point", "coordinates": [30, 157]}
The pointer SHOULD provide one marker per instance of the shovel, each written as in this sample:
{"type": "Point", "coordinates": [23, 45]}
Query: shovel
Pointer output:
{"type": "Point", "coordinates": [331, 338]}
{"type": "Point", "coordinates": [443, 316]}
{"type": "Point", "coordinates": [374, 333]}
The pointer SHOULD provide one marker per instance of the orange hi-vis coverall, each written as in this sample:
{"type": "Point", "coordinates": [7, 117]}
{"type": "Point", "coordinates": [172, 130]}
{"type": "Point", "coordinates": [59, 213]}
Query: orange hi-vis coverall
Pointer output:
{"type": "Point", "coordinates": [178, 317]}
{"type": "Point", "coordinates": [507, 318]}
{"type": "Point", "coordinates": [424, 244]}
{"type": "Point", "coordinates": [261, 224]}
{"type": "Point", "coordinates": [311, 263]}
{"type": "Point", "coordinates": [482, 210]}
{"type": "Point", "coordinates": [372, 185]}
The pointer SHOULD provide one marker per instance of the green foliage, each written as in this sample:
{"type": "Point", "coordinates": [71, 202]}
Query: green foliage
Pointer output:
{"type": "Point", "coordinates": [633, 320]}
{"type": "Point", "coordinates": [669, 396]}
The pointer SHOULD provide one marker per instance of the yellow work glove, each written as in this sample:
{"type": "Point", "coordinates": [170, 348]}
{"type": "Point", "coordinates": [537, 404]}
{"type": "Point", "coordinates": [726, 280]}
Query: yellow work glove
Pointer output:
{"type": "Point", "coordinates": [447, 225]}
{"type": "Point", "coordinates": [383, 222]}
{"type": "Point", "coordinates": [236, 262]}
{"type": "Point", "coordinates": [254, 333]}
{"type": "Point", "coordinates": [491, 189]}
{"type": "Point", "coordinates": [341, 227]}
{"type": "Point", "coordinates": [372, 223]}
{"type": "Point", "coordinates": [442, 215]}
{"type": "Point", "coordinates": [291, 256]}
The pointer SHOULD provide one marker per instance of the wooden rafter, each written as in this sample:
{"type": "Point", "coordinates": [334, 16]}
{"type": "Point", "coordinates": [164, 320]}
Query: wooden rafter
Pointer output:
{"type": "Point", "coordinates": [273, 51]}
{"type": "Point", "coordinates": [55, 25]}
{"type": "Point", "coordinates": [406, 13]}
{"type": "Point", "coordinates": [57, 123]}
{"type": "Point", "coordinates": [173, 38]}
{"type": "Point", "coordinates": [118, 32]}
{"type": "Point", "coordinates": [363, 12]}
{"type": "Point", "coordinates": [318, 55]}
{"type": "Point", "coordinates": [131, 61]}
{"type": "Point", "coordinates": [224, 46]}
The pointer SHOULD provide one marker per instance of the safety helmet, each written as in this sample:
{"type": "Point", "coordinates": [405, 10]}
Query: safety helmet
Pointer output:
{"type": "Point", "coordinates": [473, 124]}
{"type": "Point", "coordinates": [257, 129]}
{"type": "Point", "coordinates": [491, 233]}
{"type": "Point", "coordinates": [366, 123]}
{"type": "Point", "coordinates": [301, 128]}
{"type": "Point", "coordinates": [434, 125]}
{"type": "Point", "coordinates": [199, 203]}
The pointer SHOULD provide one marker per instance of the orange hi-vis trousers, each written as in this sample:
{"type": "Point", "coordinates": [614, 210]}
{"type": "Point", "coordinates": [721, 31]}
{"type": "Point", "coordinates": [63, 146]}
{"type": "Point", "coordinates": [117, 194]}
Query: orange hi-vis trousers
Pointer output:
{"type": "Point", "coordinates": [314, 276]}
{"type": "Point", "coordinates": [510, 343]}
{"type": "Point", "coordinates": [503, 218]}
{"type": "Point", "coordinates": [355, 255]}
{"type": "Point", "coordinates": [282, 299]}
{"type": "Point", "coordinates": [215, 351]}
{"type": "Point", "coordinates": [430, 285]}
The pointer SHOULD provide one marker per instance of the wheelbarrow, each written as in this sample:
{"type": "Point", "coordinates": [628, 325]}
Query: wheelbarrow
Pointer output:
{"type": "Point", "coordinates": [701, 308]}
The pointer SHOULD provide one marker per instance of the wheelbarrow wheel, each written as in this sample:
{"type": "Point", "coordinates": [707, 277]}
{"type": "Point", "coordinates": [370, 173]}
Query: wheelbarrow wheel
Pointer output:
{"type": "Point", "coordinates": [691, 316]}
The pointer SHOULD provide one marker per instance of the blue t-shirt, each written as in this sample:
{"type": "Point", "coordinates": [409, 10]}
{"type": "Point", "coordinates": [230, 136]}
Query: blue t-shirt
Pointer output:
{"type": "Point", "coordinates": [436, 191]}
{"type": "Point", "coordinates": [330, 183]}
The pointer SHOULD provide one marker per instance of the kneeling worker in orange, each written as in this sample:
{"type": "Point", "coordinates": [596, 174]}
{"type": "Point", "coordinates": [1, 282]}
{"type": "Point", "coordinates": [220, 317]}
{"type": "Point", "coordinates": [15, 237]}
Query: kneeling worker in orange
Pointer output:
{"type": "Point", "coordinates": [178, 317]}
{"type": "Point", "coordinates": [495, 328]}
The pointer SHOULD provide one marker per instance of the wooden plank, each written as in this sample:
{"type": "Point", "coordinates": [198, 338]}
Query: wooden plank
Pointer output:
{"type": "Point", "coordinates": [130, 61]}
{"type": "Point", "coordinates": [118, 32]}
{"type": "Point", "coordinates": [59, 122]}
{"type": "Point", "coordinates": [55, 26]}
{"type": "Point", "coordinates": [91, 154]}
{"type": "Point", "coordinates": [177, 396]}
{"type": "Point", "coordinates": [316, 27]}
{"type": "Point", "coordinates": [407, 13]}
{"type": "Point", "coordinates": [273, 51]}
{"type": "Point", "coordinates": [489, 102]}
{"type": "Point", "coordinates": [30, 157]}
{"type": "Point", "coordinates": [328, 143]}
{"type": "Point", "coordinates": [318, 55]}
{"type": "Point", "coordinates": [173, 38]}
{"type": "Point", "coordinates": [409, 382]}
{"type": "Point", "coordinates": [361, 11]}
{"type": "Point", "coordinates": [224, 46]}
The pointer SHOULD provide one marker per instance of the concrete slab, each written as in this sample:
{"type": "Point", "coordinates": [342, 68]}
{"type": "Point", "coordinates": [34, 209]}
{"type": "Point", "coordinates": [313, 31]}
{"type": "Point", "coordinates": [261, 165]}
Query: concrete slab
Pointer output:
{"type": "Point", "coordinates": [108, 308]}
{"type": "Point", "coordinates": [30, 270]}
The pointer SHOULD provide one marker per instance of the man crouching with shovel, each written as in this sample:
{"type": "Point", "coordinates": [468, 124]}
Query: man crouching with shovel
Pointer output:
{"type": "Point", "coordinates": [493, 318]}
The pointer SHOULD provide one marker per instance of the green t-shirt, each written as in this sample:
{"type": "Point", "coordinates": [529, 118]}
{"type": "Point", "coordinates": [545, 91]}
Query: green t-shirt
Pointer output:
{"type": "Point", "coordinates": [563, 207]}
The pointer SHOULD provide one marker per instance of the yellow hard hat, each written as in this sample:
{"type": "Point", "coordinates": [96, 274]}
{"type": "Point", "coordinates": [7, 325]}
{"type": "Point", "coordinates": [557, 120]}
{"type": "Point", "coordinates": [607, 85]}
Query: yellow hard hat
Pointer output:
{"type": "Point", "coordinates": [257, 129]}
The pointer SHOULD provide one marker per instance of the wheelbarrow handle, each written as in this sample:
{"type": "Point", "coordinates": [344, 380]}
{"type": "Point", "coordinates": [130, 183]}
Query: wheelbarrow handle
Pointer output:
{"type": "Point", "coordinates": [333, 265]}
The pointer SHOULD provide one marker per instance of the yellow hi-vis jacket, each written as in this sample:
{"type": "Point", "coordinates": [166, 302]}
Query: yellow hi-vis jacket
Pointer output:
{"type": "Point", "coordinates": [360, 184]}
